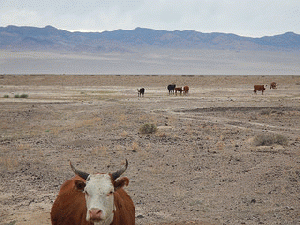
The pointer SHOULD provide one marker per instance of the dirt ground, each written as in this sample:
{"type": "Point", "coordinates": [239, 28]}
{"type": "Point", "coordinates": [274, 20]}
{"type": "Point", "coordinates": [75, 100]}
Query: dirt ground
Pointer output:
{"type": "Point", "coordinates": [202, 166]}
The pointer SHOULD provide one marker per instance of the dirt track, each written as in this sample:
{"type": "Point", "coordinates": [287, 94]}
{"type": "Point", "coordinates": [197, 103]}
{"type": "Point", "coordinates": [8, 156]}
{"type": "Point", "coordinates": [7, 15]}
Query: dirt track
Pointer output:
{"type": "Point", "coordinates": [201, 167]}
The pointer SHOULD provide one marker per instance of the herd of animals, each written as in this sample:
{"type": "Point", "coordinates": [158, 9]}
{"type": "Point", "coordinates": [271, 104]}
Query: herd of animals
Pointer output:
{"type": "Point", "coordinates": [173, 89]}
{"type": "Point", "coordinates": [89, 199]}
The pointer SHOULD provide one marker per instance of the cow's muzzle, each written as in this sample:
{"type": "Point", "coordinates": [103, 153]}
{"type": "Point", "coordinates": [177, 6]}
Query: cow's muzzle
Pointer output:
{"type": "Point", "coordinates": [96, 215]}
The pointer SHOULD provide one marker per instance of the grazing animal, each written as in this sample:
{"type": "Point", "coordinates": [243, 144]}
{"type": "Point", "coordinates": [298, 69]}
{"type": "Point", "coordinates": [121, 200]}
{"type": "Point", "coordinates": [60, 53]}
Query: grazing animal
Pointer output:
{"type": "Point", "coordinates": [178, 89]}
{"type": "Point", "coordinates": [186, 89]}
{"type": "Point", "coordinates": [171, 88]}
{"type": "Point", "coordinates": [97, 199]}
{"type": "Point", "coordinates": [259, 88]}
{"type": "Point", "coordinates": [141, 92]}
{"type": "Point", "coordinates": [273, 85]}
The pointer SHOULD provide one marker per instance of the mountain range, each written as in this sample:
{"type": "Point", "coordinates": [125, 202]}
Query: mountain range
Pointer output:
{"type": "Point", "coordinates": [52, 39]}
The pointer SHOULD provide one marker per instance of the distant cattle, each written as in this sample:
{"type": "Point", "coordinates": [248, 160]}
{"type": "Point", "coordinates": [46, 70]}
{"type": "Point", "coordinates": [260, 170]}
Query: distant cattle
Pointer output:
{"type": "Point", "coordinates": [259, 88]}
{"type": "Point", "coordinates": [141, 92]}
{"type": "Point", "coordinates": [186, 89]}
{"type": "Point", "coordinates": [94, 199]}
{"type": "Point", "coordinates": [273, 85]}
{"type": "Point", "coordinates": [178, 89]}
{"type": "Point", "coordinates": [171, 88]}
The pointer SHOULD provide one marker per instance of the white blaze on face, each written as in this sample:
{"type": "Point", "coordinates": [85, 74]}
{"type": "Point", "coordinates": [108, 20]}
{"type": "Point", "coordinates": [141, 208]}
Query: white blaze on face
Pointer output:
{"type": "Point", "coordinates": [99, 199]}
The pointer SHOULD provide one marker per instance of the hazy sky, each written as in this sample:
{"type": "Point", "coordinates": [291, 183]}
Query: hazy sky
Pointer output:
{"type": "Point", "coordinates": [243, 17]}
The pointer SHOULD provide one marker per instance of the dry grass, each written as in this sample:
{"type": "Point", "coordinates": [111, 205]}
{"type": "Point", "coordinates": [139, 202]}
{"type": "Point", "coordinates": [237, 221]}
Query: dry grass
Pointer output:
{"type": "Point", "coordinates": [270, 139]}
{"type": "Point", "coordinates": [135, 146]}
{"type": "Point", "coordinates": [148, 128]}
{"type": "Point", "coordinates": [124, 134]}
{"type": "Point", "coordinates": [8, 162]}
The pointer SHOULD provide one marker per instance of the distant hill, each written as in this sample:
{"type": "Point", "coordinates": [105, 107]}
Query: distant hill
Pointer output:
{"type": "Point", "coordinates": [52, 39]}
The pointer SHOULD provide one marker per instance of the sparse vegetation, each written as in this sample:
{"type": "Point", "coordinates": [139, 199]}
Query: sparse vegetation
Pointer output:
{"type": "Point", "coordinates": [266, 112]}
{"type": "Point", "coordinates": [270, 139]}
{"type": "Point", "coordinates": [21, 96]}
{"type": "Point", "coordinates": [148, 128]}
{"type": "Point", "coordinates": [11, 223]}
{"type": "Point", "coordinates": [203, 144]}
{"type": "Point", "coordinates": [8, 162]}
{"type": "Point", "coordinates": [24, 96]}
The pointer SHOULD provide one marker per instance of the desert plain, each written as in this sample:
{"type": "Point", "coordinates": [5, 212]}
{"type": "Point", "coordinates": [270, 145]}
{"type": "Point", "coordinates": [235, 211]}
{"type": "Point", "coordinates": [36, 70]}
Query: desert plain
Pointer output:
{"type": "Point", "coordinates": [221, 153]}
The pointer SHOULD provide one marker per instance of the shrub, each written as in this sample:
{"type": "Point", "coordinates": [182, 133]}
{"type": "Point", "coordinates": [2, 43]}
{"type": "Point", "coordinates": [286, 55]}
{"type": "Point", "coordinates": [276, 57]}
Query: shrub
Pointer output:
{"type": "Point", "coordinates": [148, 128]}
{"type": "Point", "coordinates": [270, 139]}
{"type": "Point", "coordinates": [24, 96]}
{"type": "Point", "coordinates": [12, 222]}
{"type": "Point", "coordinates": [21, 96]}
{"type": "Point", "coordinates": [266, 112]}
{"type": "Point", "coordinates": [6, 96]}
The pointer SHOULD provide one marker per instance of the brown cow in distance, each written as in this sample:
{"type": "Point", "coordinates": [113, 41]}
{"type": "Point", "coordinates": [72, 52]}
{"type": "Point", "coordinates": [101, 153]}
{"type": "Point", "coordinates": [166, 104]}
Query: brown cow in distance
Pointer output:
{"type": "Point", "coordinates": [93, 200]}
{"type": "Point", "coordinates": [273, 85]}
{"type": "Point", "coordinates": [186, 89]}
{"type": "Point", "coordinates": [259, 88]}
{"type": "Point", "coordinates": [178, 89]}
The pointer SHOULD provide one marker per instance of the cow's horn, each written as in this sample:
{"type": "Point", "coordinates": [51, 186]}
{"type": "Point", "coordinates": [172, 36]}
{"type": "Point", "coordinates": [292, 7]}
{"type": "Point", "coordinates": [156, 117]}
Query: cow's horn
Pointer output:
{"type": "Point", "coordinates": [117, 174]}
{"type": "Point", "coordinates": [83, 175]}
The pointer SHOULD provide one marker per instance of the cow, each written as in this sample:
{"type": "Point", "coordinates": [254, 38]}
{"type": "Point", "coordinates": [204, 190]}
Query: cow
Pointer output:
{"type": "Point", "coordinates": [259, 88]}
{"type": "Point", "coordinates": [141, 92]}
{"type": "Point", "coordinates": [178, 89]}
{"type": "Point", "coordinates": [273, 85]}
{"type": "Point", "coordinates": [186, 89]}
{"type": "Point", "coordinates": [171, 88]}
{"type": "Point", "coordinates": [94, 199]}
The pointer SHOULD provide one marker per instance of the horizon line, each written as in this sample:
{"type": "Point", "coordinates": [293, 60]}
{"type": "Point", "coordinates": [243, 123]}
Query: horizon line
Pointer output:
{"type": "Point", "coordinates": [205, 32]}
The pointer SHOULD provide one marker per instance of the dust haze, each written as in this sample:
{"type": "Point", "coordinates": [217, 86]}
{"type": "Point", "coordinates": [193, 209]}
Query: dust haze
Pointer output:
{"type": "Point", "coordinates": [153, 62]}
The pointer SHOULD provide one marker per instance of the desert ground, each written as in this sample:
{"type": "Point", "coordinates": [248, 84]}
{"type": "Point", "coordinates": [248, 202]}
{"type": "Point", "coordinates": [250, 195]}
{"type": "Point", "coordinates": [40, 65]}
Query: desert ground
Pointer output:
{"type": "Point", "coordinates": [152, 61]}
{"type": "Point", "coordinates": [221, 154]}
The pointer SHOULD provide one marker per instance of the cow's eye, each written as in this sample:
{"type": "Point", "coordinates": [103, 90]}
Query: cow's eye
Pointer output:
{"type": "Point", "coordinates": [110, 193]}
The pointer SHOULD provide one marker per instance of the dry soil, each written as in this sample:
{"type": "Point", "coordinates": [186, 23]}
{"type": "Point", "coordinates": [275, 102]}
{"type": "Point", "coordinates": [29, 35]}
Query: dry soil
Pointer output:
{"type": "Point", "coordinates": [204, 165]}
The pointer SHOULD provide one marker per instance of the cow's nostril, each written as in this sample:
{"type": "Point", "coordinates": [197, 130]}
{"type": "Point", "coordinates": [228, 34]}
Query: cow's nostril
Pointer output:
{"type": "Point", "coordinates": [95, 214]}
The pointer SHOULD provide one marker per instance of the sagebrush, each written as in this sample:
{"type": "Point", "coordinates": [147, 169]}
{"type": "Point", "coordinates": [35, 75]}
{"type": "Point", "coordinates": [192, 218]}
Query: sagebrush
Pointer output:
{"type": "Point", "coordinates": [148, 128]}
{"type": "Point", "coordinates": [270, 139]}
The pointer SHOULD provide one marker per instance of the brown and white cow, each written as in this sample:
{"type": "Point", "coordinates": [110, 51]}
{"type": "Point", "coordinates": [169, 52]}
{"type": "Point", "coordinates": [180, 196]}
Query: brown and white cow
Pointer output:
{"type": "Point", "coordinates": [273, 85]}
{"type": "Point", "coordinates": [186, 89]}
{"type": "Point", "coordinates": [96, 199]}
{"type": "Point", "coordinates": [259, 88]}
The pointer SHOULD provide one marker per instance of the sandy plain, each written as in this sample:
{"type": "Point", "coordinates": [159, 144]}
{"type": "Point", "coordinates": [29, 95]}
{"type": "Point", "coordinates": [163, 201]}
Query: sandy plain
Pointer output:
{"type": "Point", "coordinates": [202, 166]}
{"type": "Point", "coordinates": [152, 61]}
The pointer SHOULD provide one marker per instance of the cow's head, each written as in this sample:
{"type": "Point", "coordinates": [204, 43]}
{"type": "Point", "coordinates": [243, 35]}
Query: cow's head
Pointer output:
{"type": "Point", "coordinates": [99, 193]}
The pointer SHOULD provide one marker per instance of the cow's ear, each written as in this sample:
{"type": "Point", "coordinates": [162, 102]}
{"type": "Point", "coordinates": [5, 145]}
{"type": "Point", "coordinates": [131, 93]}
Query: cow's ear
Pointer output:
{"type": "Point", "coordinates": [121, 182]}
{"type": "Point", "coordinates": [79, 185]}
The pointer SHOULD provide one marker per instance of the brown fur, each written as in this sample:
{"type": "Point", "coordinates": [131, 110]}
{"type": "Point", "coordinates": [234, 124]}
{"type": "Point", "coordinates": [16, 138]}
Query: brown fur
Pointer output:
{"type": "Point", "coordinates": [178, 89]}
{"type": "Point", "coordinates": [259, 88]}
{"type": "Point", "coordinates": [186, 89]}
{"type": "Point", "coordinates": [273, 85]}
